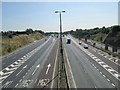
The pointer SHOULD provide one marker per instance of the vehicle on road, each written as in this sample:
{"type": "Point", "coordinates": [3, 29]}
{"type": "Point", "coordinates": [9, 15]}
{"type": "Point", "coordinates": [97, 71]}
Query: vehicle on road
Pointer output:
{"type": "Point", "coordinates": [86, 46]}
{"type": "Point", "coordinates": [80, 43]}
{"type": "Point", "coordinates": [68, 41]}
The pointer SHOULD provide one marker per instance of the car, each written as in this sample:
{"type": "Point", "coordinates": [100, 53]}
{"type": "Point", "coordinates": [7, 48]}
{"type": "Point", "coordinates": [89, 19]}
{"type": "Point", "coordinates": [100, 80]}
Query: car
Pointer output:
{"type": "Point", "coordinates": [80, 43]}
{"type": "Point", "coordinates": [86, 46]}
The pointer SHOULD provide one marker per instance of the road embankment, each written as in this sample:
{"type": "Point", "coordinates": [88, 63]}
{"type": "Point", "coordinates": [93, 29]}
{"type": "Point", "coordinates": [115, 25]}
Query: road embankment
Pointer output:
{"type": "Point", "coordinates": [9, 45]}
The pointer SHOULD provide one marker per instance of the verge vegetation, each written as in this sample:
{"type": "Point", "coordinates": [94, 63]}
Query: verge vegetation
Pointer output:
{"type": "Point", "coordinates": [11, 41]}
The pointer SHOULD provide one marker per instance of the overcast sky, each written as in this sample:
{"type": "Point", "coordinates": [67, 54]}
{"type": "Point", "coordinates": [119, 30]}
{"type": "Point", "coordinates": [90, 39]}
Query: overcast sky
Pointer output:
{"type": "Point", "coordinates": [41, 15]}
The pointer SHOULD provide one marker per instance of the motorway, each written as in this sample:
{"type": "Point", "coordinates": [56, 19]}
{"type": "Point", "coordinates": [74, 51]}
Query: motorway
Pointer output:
{"type": "Point", "coordinates": [30, 67]}
{"type": "Point", "coordinates": [90, 70]}
{"type": "Point", "coordinates": [33, 66]}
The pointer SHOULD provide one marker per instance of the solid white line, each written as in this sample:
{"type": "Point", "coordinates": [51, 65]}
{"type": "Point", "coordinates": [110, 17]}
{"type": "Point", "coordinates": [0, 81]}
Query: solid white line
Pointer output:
{"type": "Point", "coordinates": [102, 66]}
{"type": "Point", "coordinates": [70, 71]}
{"type": "Point", "coordinates": [23, 60]}
{"type": "Point", "coordinates": [54, 68]}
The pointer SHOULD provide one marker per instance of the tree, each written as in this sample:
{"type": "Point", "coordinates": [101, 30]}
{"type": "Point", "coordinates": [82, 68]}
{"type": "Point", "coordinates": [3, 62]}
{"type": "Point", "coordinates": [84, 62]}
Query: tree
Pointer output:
{"type": "Point", "coordinates": [29, 31]}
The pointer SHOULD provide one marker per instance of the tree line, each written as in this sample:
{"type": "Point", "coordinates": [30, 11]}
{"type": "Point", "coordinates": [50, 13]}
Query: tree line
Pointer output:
{"type": "Point", "coordinates": [10, 34]}
{"type": "Point", "coordinates": [112, 34]}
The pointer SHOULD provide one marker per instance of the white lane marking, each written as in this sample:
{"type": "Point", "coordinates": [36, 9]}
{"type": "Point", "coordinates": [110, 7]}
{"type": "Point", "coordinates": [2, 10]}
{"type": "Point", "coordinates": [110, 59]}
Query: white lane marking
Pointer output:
{"type": "Point", "coordinates": [1, 78]}
{"type": "Point", "coordinates": [101, 62]}
{"type": "Point", "coordinates": [19, 60]}
{"type": "Point", "coordinates": [48, 67]}
{"type": "Point", "coordinates": [104, 76]}
{"type": "Point", "coordinates": [100, 72]}
{"type": "Point", "coordinates": [20, 80]}
{"type": "Point", "coordinates": [16, 62]}
{"type": "Point", "coordinates": [22, 70]}
{"type": "Point", "coordinates": [16, 85]}
{"type": "Point", "coordinates": [11, 69]}
{"type": "Point", "coordinates": [108, 79]}
{"type": "Point", "coordinates": [7, 68]}
{"type": "Point", "coordinates": [36, 69]}
{"type": "Point", "coordinates": [6, 84]}
{"type": "Point", "coordinates": [109, 70]}
{"type": "Point", "coordinates": [113, 84]}
{"type": "Point", "coordinates": [94, 57]}
{"type": "Point", "coordinates": [12, 65]}
{"type": "Point", "coordinates": [1, 73]}
{"type": "Point", "coordinates": [23, 76]}
{"type": "Point", "coordinates": [24, 56]}
{"type": "Point", "coordinates": [105, 66]}
{"type": "Point", "coordinates": [35, 80]}
{"type": "Point", "coordinates": [74, 84]}
{"type": "Point", "coordinates": [54, 68]}
{"type": "Point", "coordinates": [7, 73]}
{"type": "Point", "coordinates": [22, 60]}
{"type": "Point", "coordinates": [97, 60]}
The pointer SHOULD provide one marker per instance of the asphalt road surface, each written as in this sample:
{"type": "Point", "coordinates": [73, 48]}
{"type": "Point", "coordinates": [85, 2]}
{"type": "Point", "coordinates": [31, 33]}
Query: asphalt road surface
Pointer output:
{"type": "Point", "coordinates": [30, 67]}
{"type": "Point", "coordinates": [89, 70]}
{"type": "Point", "coordinates": [33, 66]}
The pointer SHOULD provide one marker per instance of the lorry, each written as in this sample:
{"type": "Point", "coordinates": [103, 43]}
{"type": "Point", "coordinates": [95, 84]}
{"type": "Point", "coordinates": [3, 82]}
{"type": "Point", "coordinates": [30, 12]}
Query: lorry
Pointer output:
{"type": "Point", "coordinates": [68, 41]}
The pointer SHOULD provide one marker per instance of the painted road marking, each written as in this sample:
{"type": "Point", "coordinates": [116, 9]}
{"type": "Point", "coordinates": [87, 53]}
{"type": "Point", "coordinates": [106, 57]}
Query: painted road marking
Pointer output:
{"type": "Point", "coordinates": [23, 59]}
{"type": "Point", "coordinates": [54, 68]}
{"type": "Point", "coordinates": [109, 69]}
{"type": "Point", "coordinates": [6, 73]}
{"type": "Point", "coordinates": [22, 70]}
{"type": "Point", "coordinates": [36, 80]}
{"type": "Point", "coordinates": [16, 85]}
{"type": "Point", "coordinates": [36, 69]}
{"type": "Point", "coordinates": [105, 66]}
{"type": "Point", "coordinates": [48, 67]}
{"type": "Point", "coordinates": [7, 69]}
{"type": "Point", "coordinates": [43, 82]}
{"type": "Point", "coordinates": [67, 60]}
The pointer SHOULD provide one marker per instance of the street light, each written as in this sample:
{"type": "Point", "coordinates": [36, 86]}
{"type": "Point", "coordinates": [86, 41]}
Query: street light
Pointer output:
{"type": "Point", "coordinates": [61, 49]}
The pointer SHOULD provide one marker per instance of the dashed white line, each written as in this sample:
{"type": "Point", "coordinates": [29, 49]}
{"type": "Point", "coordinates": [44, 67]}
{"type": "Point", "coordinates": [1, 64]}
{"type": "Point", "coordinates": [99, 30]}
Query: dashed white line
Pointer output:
{"type": "Point", "coordinates": [20, 80]}
{"type": "Point", "coordinates": [100, 72]}
{"type": "Point", "coordinates": [113, 84]}
{"type": "Point", "coordinates": [23, 76]}
{"type": "Point", "coordinates": [104, 76]}
{"type": "Point", "coordinates": [16, 85]}
{"type": "Point", "coordinates": [35, 80]}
